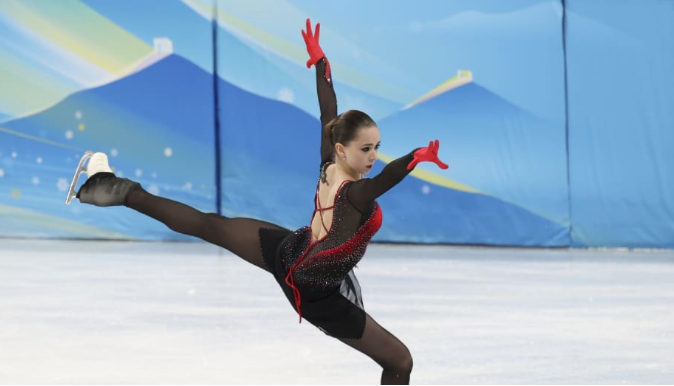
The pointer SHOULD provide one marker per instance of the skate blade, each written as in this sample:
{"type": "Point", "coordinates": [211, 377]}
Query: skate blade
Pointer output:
{"type": "Point", "coordinates": [72, 193]}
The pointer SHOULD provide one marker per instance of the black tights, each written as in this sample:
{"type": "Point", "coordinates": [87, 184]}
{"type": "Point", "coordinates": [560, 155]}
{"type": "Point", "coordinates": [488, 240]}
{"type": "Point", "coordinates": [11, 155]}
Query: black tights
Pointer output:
{"type": "Point", "coordinates": [237, 235]}
{"type": "Point", "coordinates": [241, 237]}
{"type": "Point", "coordinates": [385, 349]}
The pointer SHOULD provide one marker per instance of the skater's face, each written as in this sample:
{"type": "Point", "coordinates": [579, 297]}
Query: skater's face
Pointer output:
{"type": "Point", "coordinates": [361, 153]}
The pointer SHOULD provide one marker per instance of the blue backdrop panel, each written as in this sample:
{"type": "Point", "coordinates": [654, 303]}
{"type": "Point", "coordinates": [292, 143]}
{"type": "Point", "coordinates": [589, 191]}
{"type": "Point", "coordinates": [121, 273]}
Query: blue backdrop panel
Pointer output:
{"type": "Point", "coordinates": [493, 94]}
{"type": "Point", "coordinates": [485, 78]}
{"type": "Point", "coordinates": [621, 122]}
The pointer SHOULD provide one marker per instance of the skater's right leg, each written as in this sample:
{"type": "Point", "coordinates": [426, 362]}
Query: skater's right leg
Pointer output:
{"type": "Point", "coordinates": [238, 235]}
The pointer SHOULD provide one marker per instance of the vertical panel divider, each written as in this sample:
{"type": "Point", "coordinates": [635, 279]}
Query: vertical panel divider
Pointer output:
{"type": "Point", "coordinates": [566, 122]}
{"type": "Point", "coordinates": [216, 111]}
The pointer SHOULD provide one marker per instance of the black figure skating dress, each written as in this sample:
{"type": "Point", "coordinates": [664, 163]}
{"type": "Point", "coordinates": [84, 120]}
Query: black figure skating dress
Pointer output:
{"type": "Point", "coordinates": [317, 277]}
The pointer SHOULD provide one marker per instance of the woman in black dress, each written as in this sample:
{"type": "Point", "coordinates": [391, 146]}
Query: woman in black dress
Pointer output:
{"type": "Point", "coordinates": [314, 264]}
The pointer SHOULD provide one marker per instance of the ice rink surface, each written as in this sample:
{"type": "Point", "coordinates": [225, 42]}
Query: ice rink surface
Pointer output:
{"type": "Point", "coordinates": [190, 313]}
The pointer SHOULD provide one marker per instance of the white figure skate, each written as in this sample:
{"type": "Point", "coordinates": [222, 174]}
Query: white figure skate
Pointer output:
{"type": "Point", "coordinates": [98, 162]}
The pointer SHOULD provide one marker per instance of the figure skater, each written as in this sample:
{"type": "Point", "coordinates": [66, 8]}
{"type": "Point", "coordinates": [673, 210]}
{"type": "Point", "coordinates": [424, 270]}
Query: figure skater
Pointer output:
{"type": "Point", "coordinates": [314, 264]}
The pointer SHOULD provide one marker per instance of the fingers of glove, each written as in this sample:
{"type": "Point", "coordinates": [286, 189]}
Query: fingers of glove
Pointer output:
{"type": "Point", "coordinates": [318, 32]}
{"type": "Point", "coordinates": [309, 33]}
{"type": "Point", "coordinates": [441, 164]}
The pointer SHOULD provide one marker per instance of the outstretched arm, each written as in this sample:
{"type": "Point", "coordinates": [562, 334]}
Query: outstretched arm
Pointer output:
{"type": "Point", "coordinates": [363, 192]}
{"type": "Point", "coordinates": [327, 99]}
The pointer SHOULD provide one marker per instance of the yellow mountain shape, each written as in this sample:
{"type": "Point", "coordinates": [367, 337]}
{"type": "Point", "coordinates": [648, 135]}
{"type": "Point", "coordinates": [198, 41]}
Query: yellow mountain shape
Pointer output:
{"type": "Point", "coordinates": [37, 139]}
{"type": "Point", "coordinates": [80, 30]}
{"type": "Point", "coordinates": [433, 178]}
{"type": "Point", "coordinates": [42, 222]}
{"type": "Point", "coordinates": [462, 77]}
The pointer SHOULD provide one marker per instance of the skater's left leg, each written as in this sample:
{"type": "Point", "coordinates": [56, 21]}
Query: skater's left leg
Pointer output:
{"type": "Point", "coordinates": [385, 349]}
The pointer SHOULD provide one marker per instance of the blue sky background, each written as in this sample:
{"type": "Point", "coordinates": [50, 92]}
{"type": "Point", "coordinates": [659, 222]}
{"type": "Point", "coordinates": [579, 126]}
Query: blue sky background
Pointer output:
{"type": "Point", "coordinates": [413, 47]}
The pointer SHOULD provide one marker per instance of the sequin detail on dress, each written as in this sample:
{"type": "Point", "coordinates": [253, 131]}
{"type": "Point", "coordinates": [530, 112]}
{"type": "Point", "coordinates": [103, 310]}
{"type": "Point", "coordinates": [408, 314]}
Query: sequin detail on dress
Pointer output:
{"type": "Point", "coordinates": [323, 265]}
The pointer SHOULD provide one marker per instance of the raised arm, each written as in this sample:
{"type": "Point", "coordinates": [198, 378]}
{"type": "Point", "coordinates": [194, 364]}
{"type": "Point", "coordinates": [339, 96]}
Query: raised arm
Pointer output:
{"type": "Point", "coordinates": [327, 99]}
{"type": "Point", "coordinates": [363, 192]}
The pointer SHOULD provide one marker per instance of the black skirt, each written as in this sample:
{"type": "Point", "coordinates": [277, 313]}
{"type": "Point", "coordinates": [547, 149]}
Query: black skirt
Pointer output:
{"type": "Point", "coordinates": [338, 312]}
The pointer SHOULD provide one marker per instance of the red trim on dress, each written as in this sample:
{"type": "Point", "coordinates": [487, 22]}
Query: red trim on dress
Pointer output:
{"type": "Point", "coordinates": [366, 230]}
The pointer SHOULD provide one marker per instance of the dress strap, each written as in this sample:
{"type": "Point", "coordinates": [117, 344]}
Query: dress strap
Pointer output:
{"type": "Point", "coordinates": [320, 211]}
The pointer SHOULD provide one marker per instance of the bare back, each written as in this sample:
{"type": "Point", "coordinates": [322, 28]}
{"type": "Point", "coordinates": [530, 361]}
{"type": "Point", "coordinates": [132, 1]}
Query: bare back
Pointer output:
{"type": "Point", "coordinates": [321, 223]}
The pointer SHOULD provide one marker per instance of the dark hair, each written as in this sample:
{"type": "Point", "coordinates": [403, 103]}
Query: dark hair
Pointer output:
{"type": "Point", "coordinates": [343, 128]}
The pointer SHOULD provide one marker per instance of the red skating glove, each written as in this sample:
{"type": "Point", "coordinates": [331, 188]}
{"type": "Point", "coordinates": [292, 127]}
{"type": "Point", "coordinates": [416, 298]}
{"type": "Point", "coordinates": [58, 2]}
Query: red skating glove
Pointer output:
{"type": "Point", "coordinates": [313, 48]}
{"type": "Point", "coordinates": [429, 154]}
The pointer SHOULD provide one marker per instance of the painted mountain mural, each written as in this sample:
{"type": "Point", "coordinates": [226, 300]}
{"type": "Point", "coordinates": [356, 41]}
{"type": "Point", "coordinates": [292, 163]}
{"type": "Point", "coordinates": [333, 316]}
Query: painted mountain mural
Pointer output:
{"type": "Point", "coordinates": [492, 146]}
{"type": "Point", "coordinates": [157, 127]}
